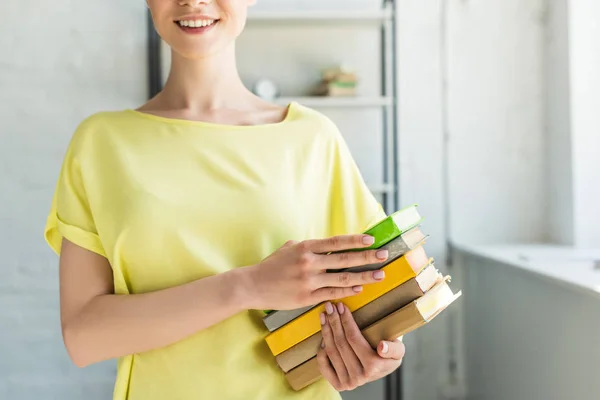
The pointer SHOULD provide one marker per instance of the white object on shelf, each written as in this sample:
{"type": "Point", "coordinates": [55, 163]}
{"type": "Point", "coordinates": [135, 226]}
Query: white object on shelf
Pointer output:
{"type": "Point", "coordinates": [266, 89]}
{"type": "Point", "coordinates": [345, 102]}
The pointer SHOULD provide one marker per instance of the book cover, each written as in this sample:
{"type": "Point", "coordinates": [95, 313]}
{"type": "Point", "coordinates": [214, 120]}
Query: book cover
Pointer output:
{"type": "Point", "coordinates": [367, 315]}
{"type": "Point", "coordinates": [399, 323]}
{"type": "Point", "coordinates": [394, 225]}
{"type": "Point", "coordinates": [396, 273]}
{"type": "Point", "coordinates": [396, 248]}
{"type": "Point", "coordinates": [277, 319]}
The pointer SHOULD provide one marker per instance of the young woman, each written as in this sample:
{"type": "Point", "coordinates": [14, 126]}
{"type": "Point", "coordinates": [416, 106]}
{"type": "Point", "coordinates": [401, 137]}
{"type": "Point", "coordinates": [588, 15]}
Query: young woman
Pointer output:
{"type": "Point", "coordinates": [178, 222]}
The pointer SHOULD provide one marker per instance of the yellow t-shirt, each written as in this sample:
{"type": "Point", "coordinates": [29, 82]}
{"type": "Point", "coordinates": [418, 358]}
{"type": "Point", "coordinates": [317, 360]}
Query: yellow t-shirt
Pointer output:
{"type": "Point", "coordinates": [168, 201]}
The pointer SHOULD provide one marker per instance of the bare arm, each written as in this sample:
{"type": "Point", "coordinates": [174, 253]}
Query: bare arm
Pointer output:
{"type": "Point", "coordinates": [99, 325]}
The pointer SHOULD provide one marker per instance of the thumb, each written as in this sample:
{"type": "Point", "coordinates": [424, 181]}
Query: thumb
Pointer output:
{"type": "Point", "coordinates": [391, 350]}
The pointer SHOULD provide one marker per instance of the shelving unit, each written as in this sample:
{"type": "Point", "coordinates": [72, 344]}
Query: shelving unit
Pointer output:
{"type": "Point", "coordinates": [383, 19]}
{"type": "Point", "coordinates": [346, 102]}
{"type": "Point", "coordinates": [322, 16]}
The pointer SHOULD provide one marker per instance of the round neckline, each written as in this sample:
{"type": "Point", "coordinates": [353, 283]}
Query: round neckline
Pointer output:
{"type": "Point", "coordinates": [215, 125]}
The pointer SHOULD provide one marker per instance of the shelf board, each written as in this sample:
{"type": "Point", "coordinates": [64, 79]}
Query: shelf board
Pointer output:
{"type": "Point", "coordinates": [382, 188]}
{"type": "Point", "coordinates": [342, 102]}
{"type": "Point", "coordinates": [320, 16]}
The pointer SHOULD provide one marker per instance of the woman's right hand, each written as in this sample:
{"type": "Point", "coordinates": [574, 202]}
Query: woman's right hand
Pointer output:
{"type": "Point", "coordinates": [295, 275]}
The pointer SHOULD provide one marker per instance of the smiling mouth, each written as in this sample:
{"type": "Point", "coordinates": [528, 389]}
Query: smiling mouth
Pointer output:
{"type": "Point", "coordinates": [197, 25]}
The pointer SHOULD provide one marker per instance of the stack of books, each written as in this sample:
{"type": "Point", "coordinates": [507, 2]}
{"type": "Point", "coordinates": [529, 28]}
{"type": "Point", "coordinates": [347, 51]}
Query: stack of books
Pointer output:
{"type": "Point", "coordinates": [412, 294]}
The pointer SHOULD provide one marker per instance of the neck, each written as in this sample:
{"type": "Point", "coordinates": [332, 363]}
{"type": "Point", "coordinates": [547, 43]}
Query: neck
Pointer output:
{"type": "Point", "coordinates": [209, 83]}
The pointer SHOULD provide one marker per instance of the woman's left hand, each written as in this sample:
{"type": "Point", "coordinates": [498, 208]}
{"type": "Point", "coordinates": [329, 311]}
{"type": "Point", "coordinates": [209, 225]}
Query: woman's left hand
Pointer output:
{"type": "Point", "coordinates": [346, 359]}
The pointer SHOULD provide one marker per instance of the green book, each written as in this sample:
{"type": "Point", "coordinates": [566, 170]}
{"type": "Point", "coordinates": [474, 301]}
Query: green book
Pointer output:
{"type": "Point", "coordinates": [394, 225]}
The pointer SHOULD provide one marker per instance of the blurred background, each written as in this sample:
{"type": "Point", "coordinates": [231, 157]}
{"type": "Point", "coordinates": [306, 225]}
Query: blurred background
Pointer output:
{"type": "Point", "coordinates": [485, 113]}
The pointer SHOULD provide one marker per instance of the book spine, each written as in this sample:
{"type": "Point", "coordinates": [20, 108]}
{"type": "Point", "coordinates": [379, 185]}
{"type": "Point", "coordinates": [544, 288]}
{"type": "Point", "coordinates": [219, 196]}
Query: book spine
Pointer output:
{"type": "Point", "coordinates": [308, 324]}
{"type": "Point", "coordinates": [405, 321]}
{"type": "Point", "coordinates": [364, 316]}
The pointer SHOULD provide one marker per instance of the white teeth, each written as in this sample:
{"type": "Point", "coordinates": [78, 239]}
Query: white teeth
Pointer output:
{"type": "Point", "coordinates": [197, 23]}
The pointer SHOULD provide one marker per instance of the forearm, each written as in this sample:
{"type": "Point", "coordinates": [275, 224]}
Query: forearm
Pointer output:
{"type": "Point", "coordinates": [111, 326]}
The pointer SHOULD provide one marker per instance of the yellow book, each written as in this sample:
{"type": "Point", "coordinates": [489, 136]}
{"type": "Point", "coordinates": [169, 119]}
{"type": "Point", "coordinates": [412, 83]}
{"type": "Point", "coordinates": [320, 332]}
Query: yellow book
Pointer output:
{"type": "Point", "coordinates": [306, 325]}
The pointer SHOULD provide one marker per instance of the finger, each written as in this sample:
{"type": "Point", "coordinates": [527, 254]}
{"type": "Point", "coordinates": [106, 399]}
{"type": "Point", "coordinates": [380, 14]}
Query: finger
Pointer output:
{"type": "Point", "coordinates": [327, 370]}
{"type": "Point", "coordinates": [332, 351]}
{"type": "Point", "coordinates": [349, 279]}
{"type": "Point", "coordinates": [339, 243]}
{"type": "Point", "coordinates": [351, 259]}
{"type": "Point", "coordinates": [289, 243]}
{"type": "Point", "coordinates": [333, 293]}
{"type": "Point", "coordinates": [391, 350]}
{"type": "Point", "coordinates": [350, 359]}
{"type": "Point", "coordinates": [356, 339]}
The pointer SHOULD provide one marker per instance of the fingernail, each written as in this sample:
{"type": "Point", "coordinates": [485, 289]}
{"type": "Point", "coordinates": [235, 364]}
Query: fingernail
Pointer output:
{"type": "Point", "coordinates": [378, 275]}
{"type": "Point", "coordinates": [322, 344]}
{"type": "Point", "coordinates": [357, 289]}
{"type": "Point", "coordinates": [340, 308]}
{"type": "Point", "coordinates": [384, 347]}
{"type": "Point", "coordinates": [382, 254]}
{"type": "Point", "coordinates": [322, 316]}
{"type": "Point", "coordinates": [329, 308]}
{"type": "Point", "coordinates": [368, 240]}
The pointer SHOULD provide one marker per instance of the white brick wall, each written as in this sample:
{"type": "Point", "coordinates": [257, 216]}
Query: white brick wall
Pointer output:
{"type": "Point", "coordinates": [58, 63]}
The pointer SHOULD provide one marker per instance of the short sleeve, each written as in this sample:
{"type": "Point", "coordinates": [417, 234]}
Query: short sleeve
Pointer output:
{"type": "Point", "coordinates": [70, 214]}
{"type": "Point", "coordinates": [353, 207]}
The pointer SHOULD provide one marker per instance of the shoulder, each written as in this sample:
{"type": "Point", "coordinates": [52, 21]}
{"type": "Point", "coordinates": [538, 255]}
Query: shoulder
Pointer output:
{"type": "Point", "coordinates": [95, 129]}
{"type": "Point", "coordinates": [101, 121]}
{"type": "Point", "coordinates": [316, 121]}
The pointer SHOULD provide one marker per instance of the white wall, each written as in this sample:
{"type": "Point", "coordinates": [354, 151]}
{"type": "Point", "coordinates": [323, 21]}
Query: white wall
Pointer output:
{"type": "Point", "coordinates": [59, 63]}
{"type": "Point", "coordinates": [420, 171]}
{"type": "Point", "coordinates": [573, 122]}
{"type": "Point", "coordinates": [584, 34]}
{"type": "Point", "coordinates": [496, 120]}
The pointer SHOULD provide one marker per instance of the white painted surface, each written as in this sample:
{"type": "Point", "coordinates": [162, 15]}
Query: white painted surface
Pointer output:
{"type": "Point", "coordinates": [420, 147]}
{"type": "Point", "coordinates": [573, 121]}
{"type": "Point", "coordinates": [559, 168]}
{"type": "Point", "coordinates": [585, 97]}
{"type": "Point", "coordinates": [496, 120]}
{"type": "Point", "coordinates": [529, 335]}
{"type": "Point", "coordinates": [66, 61]}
